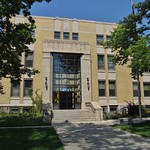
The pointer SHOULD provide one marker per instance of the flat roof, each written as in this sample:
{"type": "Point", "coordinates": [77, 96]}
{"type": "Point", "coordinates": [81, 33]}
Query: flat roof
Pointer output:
{"type": "Point", "coordinates": [70, 19]}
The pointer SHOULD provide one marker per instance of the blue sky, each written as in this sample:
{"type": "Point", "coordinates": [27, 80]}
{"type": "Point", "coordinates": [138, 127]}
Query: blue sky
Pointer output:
{"type": "Point", "coordinates": [97, 10]}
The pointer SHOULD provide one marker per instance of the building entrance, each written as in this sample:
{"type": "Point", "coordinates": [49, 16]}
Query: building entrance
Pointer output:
{"type": "Point", "coordinates": [66, 100]}
{"type": "Point", "coordinates": [66, 81]}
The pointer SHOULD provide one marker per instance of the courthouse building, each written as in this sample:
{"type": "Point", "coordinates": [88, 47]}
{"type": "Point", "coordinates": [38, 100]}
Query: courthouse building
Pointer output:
{"type": "Point", "coordinates": [76, 71]}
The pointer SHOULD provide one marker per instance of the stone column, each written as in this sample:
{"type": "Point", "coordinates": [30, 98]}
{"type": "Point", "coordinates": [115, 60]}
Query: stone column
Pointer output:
{"type": "Point", "coordinates": [46, 78]}
{"type": "Point", "coordinates": [85, 79]}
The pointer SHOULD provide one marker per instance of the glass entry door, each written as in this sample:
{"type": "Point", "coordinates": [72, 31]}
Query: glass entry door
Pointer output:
{"type": "Point", "coordinates": [66, 81]}
{"type": "Point", "coordinates": [66, 100]}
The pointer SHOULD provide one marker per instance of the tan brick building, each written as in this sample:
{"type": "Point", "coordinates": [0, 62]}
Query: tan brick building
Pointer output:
{"type": "Point", "coordinates": [76, 71]}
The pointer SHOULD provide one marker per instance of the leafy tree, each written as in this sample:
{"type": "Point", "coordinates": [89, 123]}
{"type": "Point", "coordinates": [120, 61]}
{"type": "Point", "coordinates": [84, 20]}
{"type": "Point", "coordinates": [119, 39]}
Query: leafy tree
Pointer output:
{"type": "Point", "coordinates": [14, 39]}
{"type": "Point", "coordinates": [131, 41]}
{"type": "Point", "coordinates": [129, 45]}
{"type": "Point", "coordinates": [143, 16]}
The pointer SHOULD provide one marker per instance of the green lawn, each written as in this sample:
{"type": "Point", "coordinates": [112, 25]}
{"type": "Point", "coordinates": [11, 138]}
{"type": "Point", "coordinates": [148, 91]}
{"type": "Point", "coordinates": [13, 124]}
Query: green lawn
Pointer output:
{"type": "Point", "coordinates": [29, 139]}
{"type": "Point", "coordinates": [20, 120]}
{"type": "Point", "coordinates": [142, 129]}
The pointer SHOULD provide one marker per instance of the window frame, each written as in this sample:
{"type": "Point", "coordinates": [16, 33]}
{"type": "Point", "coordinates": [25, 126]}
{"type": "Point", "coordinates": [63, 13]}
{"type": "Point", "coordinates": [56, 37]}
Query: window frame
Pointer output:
{"type": "Point", "coordinates": [108, 37]}
{"type": "Point", "coordinates": [66, 35]}
{"type": "Point", "coordinates": [14, 88]}
{"type": "Point", "coordinates": [110, 90]}
{"type": "Point", "coordinates": [57, 36]}
{"type": "Point", "coordinates": [135, 91]}
{"type": "Point", "coordinates": [110, 63]}
{"type": "Point", "coordinates": [27, 88]}
{"type": "Point", "coordinates": [146, 92]}
{"type": "Point", "coordinates": [27, 62]}
{"type": "Point", "coordinates": [33, 33]}
{"type": "Point", "coordinates": [103, 91]}
{"type": "Point", "coordinates": [75, 37]}
{"type": "Point", "coordinates": [99, 41]}
{"type": "Point", "coordinates": [103, 62]}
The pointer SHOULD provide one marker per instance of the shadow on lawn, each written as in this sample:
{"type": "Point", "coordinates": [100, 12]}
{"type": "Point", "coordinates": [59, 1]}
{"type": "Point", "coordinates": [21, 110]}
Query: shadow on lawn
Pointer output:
{"type": "Point", "coordinates": [29, 139]}
{"type": "Point", "coordinates": [20, 120]}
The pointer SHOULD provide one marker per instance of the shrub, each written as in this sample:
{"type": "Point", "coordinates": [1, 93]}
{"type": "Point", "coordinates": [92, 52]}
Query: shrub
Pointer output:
{"type": "Point", "coordinates": [111, 115]}
{"type": "Point", "coordinates": [37, 103]}
{"type": "Point", "coordinates": [133, 109]}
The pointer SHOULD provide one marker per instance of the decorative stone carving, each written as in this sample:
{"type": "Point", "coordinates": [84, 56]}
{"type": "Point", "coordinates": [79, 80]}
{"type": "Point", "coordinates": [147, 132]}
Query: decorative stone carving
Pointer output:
{"type": "Point", "coordinates": [66, 46]}
{"type": "Point", "coordinates": [66, 26]}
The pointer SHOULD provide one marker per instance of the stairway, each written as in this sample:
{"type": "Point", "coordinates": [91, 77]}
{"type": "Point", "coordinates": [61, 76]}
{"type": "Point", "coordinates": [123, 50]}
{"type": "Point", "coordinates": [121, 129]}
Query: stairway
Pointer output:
{"type": "Point", "coordinates": [72, 116]}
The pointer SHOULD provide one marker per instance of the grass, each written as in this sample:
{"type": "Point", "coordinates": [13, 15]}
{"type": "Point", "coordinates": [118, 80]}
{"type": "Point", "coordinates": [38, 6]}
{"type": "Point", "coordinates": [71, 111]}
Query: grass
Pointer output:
{"type": "Point", "coordinates": [27, 138]}
{"type": "Point", "coordinates": [142, 129]}
{"type": "Point", "coordinates": [21, 120]}
{"type": "Point", "coordinates": [30, 139]}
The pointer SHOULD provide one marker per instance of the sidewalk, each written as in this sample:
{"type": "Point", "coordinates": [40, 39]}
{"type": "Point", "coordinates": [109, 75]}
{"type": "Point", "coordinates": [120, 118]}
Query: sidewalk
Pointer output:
{"type": "Point", "coordinates": [98, 136]}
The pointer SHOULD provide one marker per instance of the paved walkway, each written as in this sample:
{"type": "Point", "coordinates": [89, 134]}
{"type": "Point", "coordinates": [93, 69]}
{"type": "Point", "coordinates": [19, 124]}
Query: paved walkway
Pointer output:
{"type": "Point", "coordinates": [98, 136]}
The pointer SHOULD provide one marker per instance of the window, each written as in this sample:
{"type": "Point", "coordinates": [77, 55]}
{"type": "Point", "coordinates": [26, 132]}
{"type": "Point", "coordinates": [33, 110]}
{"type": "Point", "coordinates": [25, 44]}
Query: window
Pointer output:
{"type": "Point", "coordinates": [67, 81]}
{"type": "Point", "coordinates": [100, 39]}
{"type": "Point", "coordinates": [74, 36]}
{"type": "Point", "coordinates": [27, 87]}
{"type": "Point", "coordinates": [56, 35]}
{"type": "Point", "coordinates": [108, 37]}
{"type": "Point", "coordinates": [111, 65]}
{"type": "Point", "coordinates": [147, 89]}
{"type": "Point", "coordinates": [102, 88]}
{"type": "Point", "coordinates": [147, 70]}
{"type": "Point", "coordinates": [66, 35]}
{"type": "Point", "coordinates": [105, 109]}
{"type": "Point", "coordinates": [15, 89]}
{"type": "Point", "coordinates": [112, 88]}
{"type": "Point", "coordinates": [29, 59]}
{"type": "Point", "coordinates": [14, 110]}
{"type": "Point", "coordinates": [135, 89]}
{"type": "Point", "coordinates": [113, 108]}
{"type": "Point", "coordinates": [101, 63]}
{"type": "Point", "coordinates": [33, 34]}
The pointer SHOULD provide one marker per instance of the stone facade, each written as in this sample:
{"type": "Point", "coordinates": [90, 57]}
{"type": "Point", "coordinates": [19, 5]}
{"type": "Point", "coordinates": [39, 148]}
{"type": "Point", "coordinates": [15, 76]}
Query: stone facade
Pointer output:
{"type": "Point", "coordinates": [87, 46]}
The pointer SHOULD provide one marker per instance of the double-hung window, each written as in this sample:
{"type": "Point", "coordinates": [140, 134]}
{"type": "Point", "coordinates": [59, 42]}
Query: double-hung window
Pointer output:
{"type": "Point", "coordinates": [108, 37]}
{"type": "Point", "coordinates": [27, 87]}
{"type": "Point", "coordinates": [74, 36]}
{"type": "Point", "coordinates": [29, 59]}
{"type": "Point", "coordinates": [111, 65]}
{"type": "Point", "coordinates": [15, 90]}
{"type": "Point", "coordinates": [146, 89]}
{"type": "Point", "coordinates": [102, 88]}
{"type": "Point", "coordinates": [66, 36]}
{"type": "Point", "coordinates": [101, 62]}
{"type": "Point", "coordinates": [99, 39]}
{"type": "Point", "coordinates": [135, 89]}
{"type": "Point", "coordinates": [112, 88]}
{"type": "Point", "coordinates": [56, 35]}
{"type": "Point", "coordinates": [33, 34]}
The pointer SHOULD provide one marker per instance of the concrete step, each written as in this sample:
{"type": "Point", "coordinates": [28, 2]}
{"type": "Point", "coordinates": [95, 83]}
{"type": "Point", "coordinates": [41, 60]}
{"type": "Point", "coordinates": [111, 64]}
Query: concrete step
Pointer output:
{"type": "Point", "coordinates": [72, 115]}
